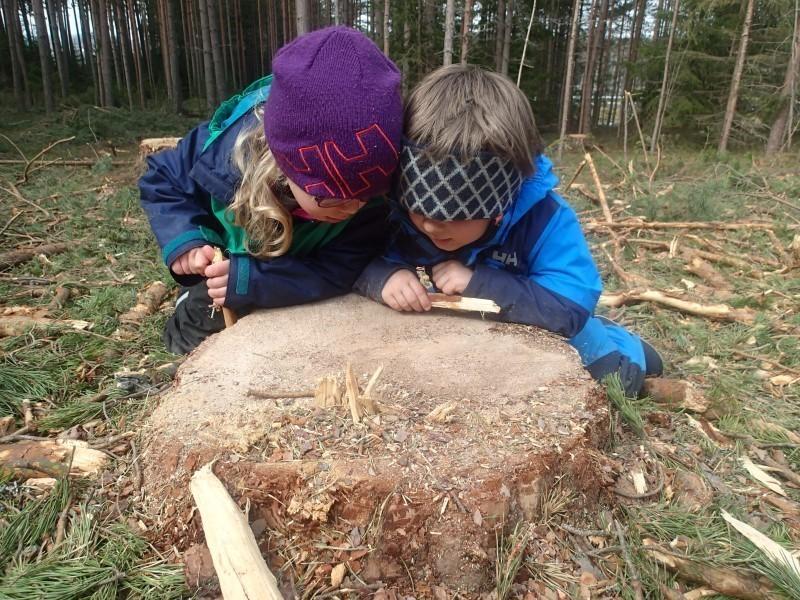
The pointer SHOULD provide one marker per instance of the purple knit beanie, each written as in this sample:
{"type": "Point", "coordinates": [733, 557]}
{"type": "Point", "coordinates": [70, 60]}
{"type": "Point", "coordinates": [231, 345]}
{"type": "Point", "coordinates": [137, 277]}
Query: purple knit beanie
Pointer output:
{"type": "Point", "coordinates": [334, 114]}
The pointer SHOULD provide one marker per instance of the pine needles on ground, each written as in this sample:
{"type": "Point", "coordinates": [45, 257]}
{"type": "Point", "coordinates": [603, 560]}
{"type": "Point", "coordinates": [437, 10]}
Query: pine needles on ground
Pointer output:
{"type": "Point", "coordinates": [628, 407]}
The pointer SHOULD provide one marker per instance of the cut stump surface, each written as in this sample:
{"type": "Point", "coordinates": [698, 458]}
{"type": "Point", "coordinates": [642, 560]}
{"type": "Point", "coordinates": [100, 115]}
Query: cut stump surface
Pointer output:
{"type": "Point", "coordinates": [511, 416]}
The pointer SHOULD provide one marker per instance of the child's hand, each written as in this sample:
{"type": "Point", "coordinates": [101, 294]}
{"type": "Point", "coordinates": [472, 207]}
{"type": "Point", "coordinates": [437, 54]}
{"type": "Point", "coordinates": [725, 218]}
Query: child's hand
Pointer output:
{"type": "Point", "coordinates": [193, 262]}
{"type": "Point", "coordinates": [217, 281]}
{"type": "Point", "coordinates": [451, 277]}
{"type": "Point", "coordinates": [404, 292]}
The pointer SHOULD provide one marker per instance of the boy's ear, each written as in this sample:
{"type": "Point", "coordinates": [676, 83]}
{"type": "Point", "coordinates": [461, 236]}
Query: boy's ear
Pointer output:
{"type": "Point", "coordinates": [497, 219]}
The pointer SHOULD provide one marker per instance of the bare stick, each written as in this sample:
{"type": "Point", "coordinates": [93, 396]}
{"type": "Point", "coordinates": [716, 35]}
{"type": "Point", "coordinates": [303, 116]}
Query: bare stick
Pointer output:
{"type": "Point", "coordinates": [719, 312]}
{"type": "Point", "coordinates": [351, 384]}
{"type": "Point", "coordinates": [638, 127]}
{"type": "Point", "coordinates": [264, 395]}
{"type": "Point", "coordinates": [40, 154]}
{"type": "Point", "coordinates": [240, 568]}
{"type": "Point", "coordinates": [601, 194]}
{"type": "Point", "coordinates": [81, 162]}
{"type": "Point", "coordinates": [575, 176]}
{"type": "Point", "coordinates": [525, 47]}
{"type": "Point", "coordinates": [713, 225]}
{"type": "Point", "coordinates": [14, 257]}
{"type": "Point", "coordinates": [227, 313]}
{"type": "Point", "coordinates": [461, 303]}
{"type": "Point", "coordinates": [14, 191]}
{"type": "Point", "coordinates": [636, 583]}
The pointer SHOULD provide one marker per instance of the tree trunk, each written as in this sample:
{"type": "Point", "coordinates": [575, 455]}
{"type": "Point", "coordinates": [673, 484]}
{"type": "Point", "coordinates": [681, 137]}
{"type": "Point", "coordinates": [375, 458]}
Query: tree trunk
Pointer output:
{"type": "Point", "coordinates": [174, 65]}
{"type": "Point", "coordinates": [587, 83]}
{"type": "Point", "coordinates": [114, 38]}
{"type": "Point", "coordinates": [261, 67]}
{"type": "Point", "coordinates": [782, 124]}
{"type": "Point", "coordinates": [216, 51]}
{"type": "Point", "coordinates": [163, 44]}
{"type": "Point", "coordinates": [606, 30]}
{"type": "Point", "coordinates": [124, 48]}
{"type": "Point", "coordinates": [44, 55]}
{"type": "Point", "coordinates": [17, 68]}
{"type": "Point", "coordinates": [449, 26]}
{"type": "Point", "coordinates": [466, 31]}
{"type": "Point", "coordinates": [633, 49]}
{"type": "Point", "coordinates": [386, 7]}
{"type": "Point", "coordinates": [566, 100]}
{"type": "Point", "coordinates": [499, 35]}
{"type": "Point", "coordinates": [208, 63]}
{"type": "Point", "coordinates": [507, 30]}
{"type": "Point", "coordinates": [58, 51]}
{"type": "Point", "coordinates": [302, 16]}
{"type": "Point", "coordinates": [136, 52]}
{"type": "Point", "coordinates": [662, 98]}
{"type": "Point", "coordinates": [88, 47]}
{"type": "Point", "coordinates": [733, 96]}
{"type": "Point", "coordinates": [101, 29]}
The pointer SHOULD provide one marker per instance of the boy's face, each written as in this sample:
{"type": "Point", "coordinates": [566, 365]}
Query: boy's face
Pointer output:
{"type": "Point", "coordinates": [450, 235]}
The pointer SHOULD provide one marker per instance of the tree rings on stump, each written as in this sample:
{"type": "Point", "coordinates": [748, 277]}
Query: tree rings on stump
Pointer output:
{"type": "Point", "coordinates": [478, 423]}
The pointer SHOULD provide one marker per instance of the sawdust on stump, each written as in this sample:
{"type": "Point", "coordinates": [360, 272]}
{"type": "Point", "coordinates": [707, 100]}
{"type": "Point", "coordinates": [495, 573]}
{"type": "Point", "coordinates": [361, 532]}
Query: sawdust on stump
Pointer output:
{"type": "Point", "coordinates": [476, 422]}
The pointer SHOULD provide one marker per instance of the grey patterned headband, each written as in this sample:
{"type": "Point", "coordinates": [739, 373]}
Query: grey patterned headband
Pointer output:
{"type": "Point", "coordinates": [455, 190]}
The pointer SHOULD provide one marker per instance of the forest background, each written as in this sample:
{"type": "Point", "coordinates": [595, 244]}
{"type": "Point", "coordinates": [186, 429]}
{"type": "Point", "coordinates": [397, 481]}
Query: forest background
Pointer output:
{"type": "Point", "coordinates": [708, 71]}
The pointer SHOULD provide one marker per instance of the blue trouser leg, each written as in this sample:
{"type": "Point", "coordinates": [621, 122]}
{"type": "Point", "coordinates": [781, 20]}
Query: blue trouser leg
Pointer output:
{"type": "Point", "coordinates": [606, 348]}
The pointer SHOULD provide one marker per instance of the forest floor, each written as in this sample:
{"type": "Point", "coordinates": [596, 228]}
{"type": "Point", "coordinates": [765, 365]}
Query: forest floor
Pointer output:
{"type": "Point", "coordinates": [661, 532]}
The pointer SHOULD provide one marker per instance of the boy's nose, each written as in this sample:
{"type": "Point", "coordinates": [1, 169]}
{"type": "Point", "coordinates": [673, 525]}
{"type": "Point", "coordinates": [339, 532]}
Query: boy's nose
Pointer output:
{"type": "Point", "coordinates": [431, 226]}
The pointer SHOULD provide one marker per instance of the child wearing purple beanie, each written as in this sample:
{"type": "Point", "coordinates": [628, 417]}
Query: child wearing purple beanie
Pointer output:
{"type": "Point", "coordinates": [286, 178]}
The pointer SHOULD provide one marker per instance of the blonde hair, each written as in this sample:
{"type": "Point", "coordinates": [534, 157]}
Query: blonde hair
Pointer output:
{"type": "Point", "coordinates": [464, 109]}
{"type": "Point", "coordinates": [257, 205]}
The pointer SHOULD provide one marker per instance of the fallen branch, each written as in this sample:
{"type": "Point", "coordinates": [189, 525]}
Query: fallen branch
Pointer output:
{"type": "Point", "coordinates": [599, 186]}
{"type": "Point", "coordinates": [14, 257]}
{"type": "Point", "coordinates": [634, 223]}
{"type": "Point", "coordinates": [462, 303]}
{"type": "Point", "coordinates": [719, 312]}
{"type": "Point", "coordinates": [240, 568]}
{"type": "Point", "coordinates": [706, 271]}
{"type": "Point", "coordinates": [264, 395]}
{"type": "Point", "coordinates": [41, 153]}
{"type": "Point", "coordinates": [636, 583]}
{"type": "Point", "coordinates": [150, 146]}
{"type": "Point", "coordinates": [738, 583]}
{"type": "Point", "coordinates": [147, 303]}
{"type": "Point", "coordinates": [66, 163]}
{"type": "Point", "coordinates": [689, 253]}
{"type": "Point", "coordinates": [11, 325]}
{"type": "Point", "coordinates": [60, 298]}
{"type": "Point", "coordinates": [51, 458]}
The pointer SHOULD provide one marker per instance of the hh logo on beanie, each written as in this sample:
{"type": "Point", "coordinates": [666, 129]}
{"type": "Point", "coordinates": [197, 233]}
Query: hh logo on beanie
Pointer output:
{"type": "Point", "coordinates": [362, 175]}
{"type": "Point", "coordinates": [334, 115]}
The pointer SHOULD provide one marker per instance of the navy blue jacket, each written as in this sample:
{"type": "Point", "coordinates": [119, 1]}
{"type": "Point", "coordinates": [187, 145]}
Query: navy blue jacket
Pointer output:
{"type": "Point", "coordinates": [536, 265]}
{"type": "Point", "coordinates": [176, 195]}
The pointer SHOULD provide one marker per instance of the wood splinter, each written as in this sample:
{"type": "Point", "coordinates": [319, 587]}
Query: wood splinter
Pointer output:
{"type": "Point", "coordinates": [464, 304]}
{"type": "Point", "coordinates": [240, 568]}
{"type": "Point", "coordinates": [227, 313]}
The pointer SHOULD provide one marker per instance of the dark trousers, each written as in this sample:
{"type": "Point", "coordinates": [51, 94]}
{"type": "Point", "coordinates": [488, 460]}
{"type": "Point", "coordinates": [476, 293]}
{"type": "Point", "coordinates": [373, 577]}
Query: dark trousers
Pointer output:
{"type": "Point", "coordinates": [193, 321]}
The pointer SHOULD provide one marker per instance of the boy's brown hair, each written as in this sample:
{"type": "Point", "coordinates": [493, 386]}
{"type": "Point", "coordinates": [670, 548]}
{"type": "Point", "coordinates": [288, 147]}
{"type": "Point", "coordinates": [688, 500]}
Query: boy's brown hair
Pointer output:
{"type": "Point", "coordinates": [463, 109]}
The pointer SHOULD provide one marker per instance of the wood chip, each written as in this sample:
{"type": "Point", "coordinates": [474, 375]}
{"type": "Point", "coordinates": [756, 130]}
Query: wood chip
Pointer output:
{"type": "Point", "coordinates": [764, 478]}
{"type": "Point", "coordinates": [337, 574]}
{"type": "Point", "coordinates": [774, 551]}
{"type": "Point", "coordinates": [353, 393]}
{"type": "Point", "coordinates": [639, 482]}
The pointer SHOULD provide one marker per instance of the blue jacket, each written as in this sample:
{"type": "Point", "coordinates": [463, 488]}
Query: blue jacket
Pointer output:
{"type": "Point", "coordinates": [176, 194]}
{"type": "Point", "coordinates": [536, 265]}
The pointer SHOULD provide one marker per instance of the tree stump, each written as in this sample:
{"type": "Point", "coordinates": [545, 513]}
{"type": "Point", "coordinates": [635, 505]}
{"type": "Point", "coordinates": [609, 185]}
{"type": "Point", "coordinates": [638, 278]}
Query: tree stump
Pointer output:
{"type": "Point", "coordinates": [478, 423]}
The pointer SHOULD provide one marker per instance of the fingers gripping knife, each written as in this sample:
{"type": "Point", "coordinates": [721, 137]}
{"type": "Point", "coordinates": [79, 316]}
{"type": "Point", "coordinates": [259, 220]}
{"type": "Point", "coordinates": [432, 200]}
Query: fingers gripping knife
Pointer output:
{"type": "Point", "coordinates": [227, 313]}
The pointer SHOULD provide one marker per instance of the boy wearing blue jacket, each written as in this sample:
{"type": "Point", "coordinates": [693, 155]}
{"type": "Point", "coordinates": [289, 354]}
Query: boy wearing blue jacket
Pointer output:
{"type": "Point", "coordinates": [481, 216]}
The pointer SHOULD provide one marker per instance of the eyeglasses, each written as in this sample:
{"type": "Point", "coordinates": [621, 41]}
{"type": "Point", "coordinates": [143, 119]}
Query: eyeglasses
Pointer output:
{"type": "Point", "coordinates": [333, 202]}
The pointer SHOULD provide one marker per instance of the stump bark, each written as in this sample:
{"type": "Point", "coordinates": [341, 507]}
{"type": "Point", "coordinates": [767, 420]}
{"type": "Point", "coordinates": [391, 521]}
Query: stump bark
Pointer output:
{"type": "Point", "coordinates": [477, 423]}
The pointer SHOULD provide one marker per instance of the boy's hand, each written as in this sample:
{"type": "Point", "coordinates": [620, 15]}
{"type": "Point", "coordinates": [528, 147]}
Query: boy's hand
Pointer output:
{"type": "Point", "coordinates": [451, 277]}
{"type": "Point", "coordinates": [404, 292]}
{"type": "Point", "coordinates": [217, 281]}
{"type": "Point", "coordinates": [193, 262]}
